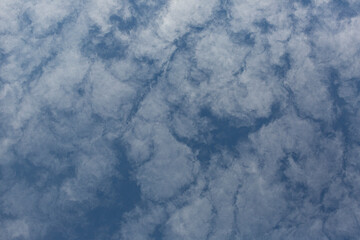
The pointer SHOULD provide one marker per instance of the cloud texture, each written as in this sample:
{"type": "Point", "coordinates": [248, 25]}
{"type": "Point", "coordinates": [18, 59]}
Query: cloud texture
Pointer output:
{"type": "Point", "coordinates": [207, 119]}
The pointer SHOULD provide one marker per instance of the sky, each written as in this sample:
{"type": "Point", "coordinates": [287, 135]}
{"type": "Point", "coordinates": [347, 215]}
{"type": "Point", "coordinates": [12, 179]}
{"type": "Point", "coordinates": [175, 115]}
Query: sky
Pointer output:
{"type": "Point", "coordinates": [179, 119]}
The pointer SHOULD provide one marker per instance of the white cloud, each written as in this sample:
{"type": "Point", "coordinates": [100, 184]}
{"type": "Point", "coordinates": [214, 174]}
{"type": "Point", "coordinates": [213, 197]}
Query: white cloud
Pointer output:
{"type": "Point", "coordinates": [141, 224]}
{"type": "Point", "coordinates": [99, 11]}
{"type": "Point", "coordinates": [171, 167]}
{"type": "Point", "coordinates": [180, 15]}
{"type": "Point", "coordinates": [63, 104]}
{"type": "Point", "coordinates": [110, 97]}
{"type": "Point", "coordinates": [345, 222]}
{"type": "Point", "coordinates": [223, 190]}
{"type": "Point", "coordinates": [216, 53]}
{"type": "Point", "coordinates": [191, 222]}
{"type": "Point", "coordinates": [16, 229]}
{"type": "Point", "coordinates": [8, 16]}
{"type": "Point", "coordinates": [45, 15]}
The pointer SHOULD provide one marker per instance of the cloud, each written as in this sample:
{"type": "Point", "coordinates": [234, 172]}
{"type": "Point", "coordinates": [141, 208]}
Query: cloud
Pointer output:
{"type": "Point", "coordinates": [15, 229]}
{"type": "Point", "coordinates": [190, 222]}
{"type": "Point", "coordinates": [180, 15]}
{"type": "Point", "coordinates": [179, 119]}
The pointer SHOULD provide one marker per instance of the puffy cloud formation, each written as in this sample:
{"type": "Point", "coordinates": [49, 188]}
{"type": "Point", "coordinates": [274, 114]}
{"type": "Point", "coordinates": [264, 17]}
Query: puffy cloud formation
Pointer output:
{"type": "Point", "coordinates": [175, 119]}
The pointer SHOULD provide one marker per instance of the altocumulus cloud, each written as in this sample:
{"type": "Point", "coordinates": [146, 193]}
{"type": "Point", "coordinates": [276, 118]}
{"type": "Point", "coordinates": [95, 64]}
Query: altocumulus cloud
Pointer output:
{"type": "Point", "coordinates": [207, 119]}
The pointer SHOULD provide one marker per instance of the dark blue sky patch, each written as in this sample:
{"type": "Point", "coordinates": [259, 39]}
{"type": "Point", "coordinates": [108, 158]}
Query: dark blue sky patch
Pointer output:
{"type": "Point", "coordinates": [222, 133]}
{"type": "Point", "coordinates": [357, 83]}
{"type": "Point", "coordinates": [37, 71]}
{"type": "Point", "coordinates": [344, 9]}
{"type": "Point", "coordinates": [219, 134]}
{"type": "Point", "coordinates": [264, 26]}
{"type": "Point", "coordinates": [106, 46]}
{"type": "Point", "coordinates": [119, 195]}
{"type": "Point", "coordinates": [342, 121]}
{"type": "Point", "coordinates": [296, 193]}
{"type": "Point", "coordinates": [243, 38]}
{"type": "Point", "coordinates": [2, 56]}
{"type": "Point", "coordinates": [1, 172]}
{"type": "Point", "coordinates": [58, 27]}
{"type": "Point", "coordinates": [157, 234]}
{"type": "Point", "coordinates": [146, 11]}
{"type": "Point", "coordinates": [40, 176]}
{"type": "Point", "coordinates": [284, 66]}
{"type": "Point", "coordinates": [304, 3]}
{"type": "Point", "coordinates": [127, 189]}
{"type": "Point", "coordinates": [25, 20]}
{"type": "Point", "coordinates": [55, 234]}
{"type": "Point", "coordinates": [123, 24]}
{"type": "Point", "coordinates": [312, 25]}
{"type": "Point", "coordinates": [116, 196]}
{"type": "Point", "coordinates": [329, 204]}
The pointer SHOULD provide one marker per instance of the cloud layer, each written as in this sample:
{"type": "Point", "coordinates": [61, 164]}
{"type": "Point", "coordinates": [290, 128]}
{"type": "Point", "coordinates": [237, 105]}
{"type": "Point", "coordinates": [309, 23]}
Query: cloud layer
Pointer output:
{"type": "Point", "coordinates": [179, 119]}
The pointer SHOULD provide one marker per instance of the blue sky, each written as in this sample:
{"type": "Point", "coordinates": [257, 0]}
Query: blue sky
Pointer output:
{"type": "Point", "coordinates": [179, 119]}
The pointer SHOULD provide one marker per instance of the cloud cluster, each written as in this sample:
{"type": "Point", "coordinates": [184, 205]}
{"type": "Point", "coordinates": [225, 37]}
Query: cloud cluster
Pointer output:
{"type": "Point", "coordinates": [179, 119]}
